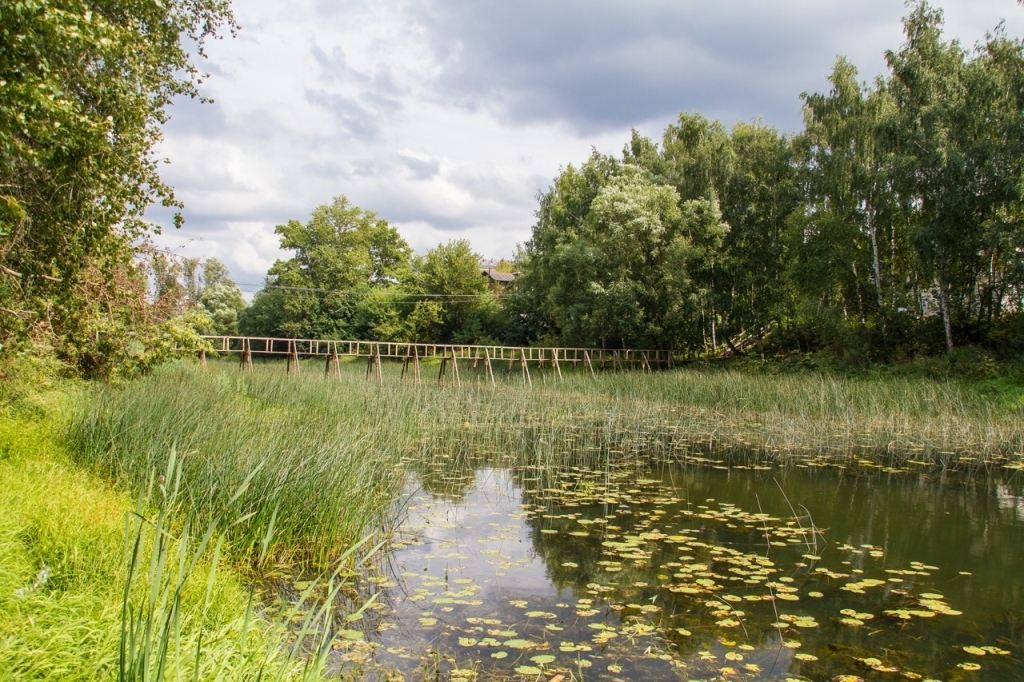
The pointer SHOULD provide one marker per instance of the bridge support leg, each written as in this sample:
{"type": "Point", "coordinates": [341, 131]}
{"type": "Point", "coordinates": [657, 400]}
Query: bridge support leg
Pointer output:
{"type": "Point", "coordinates": [293, 357]}
{"type": "Point", "coordinates": [373, 364]}
{"type": "Point", "coordinates": [245, 359]}
{"type": "Point", "coordinates": [487, 363]}
{"type": "Point", "coordinates": [590, 365]}
{"type": "Point", "coordinates": [555, 361]}
{"type": "Point", "coordinates": [526, 370]}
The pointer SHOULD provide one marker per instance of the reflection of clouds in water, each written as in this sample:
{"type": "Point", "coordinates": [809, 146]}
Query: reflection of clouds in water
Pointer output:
{"type": "Point", "coordinates": [575, 565]}
{"type": "Point", "coordinates": [1010, 501]}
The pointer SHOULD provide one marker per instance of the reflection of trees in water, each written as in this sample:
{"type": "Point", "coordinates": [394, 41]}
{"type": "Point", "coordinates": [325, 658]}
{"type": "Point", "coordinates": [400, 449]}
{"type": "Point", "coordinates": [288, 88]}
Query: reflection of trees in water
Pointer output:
{"type": "Point", "coordinates": [958, 522]}
{"type": "Point", "coordinates": [908, 515]}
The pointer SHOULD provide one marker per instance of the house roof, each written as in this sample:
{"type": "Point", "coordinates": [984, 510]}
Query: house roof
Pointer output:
{"type": "Point", "coordinates": [499, 276]}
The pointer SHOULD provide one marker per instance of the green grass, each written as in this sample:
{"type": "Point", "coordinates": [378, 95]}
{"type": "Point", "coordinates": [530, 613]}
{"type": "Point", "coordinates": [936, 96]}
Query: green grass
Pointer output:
{"type": "Point", "coordinates": [321, 466]}
{"type": "Point", "coordinates": [70, 603]}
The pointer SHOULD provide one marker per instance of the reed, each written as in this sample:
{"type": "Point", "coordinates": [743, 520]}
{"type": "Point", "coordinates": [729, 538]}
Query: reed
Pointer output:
{"type": "Point", "coordinates": [326, 457]}
{"type": "Point", "coordinates": [85, 595]}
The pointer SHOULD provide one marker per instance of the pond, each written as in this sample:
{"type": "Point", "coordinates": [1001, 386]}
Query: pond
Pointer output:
{"type": "Point", "coordinates": [707, 572]}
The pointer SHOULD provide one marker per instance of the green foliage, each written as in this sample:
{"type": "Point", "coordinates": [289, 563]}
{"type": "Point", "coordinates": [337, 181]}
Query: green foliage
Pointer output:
{"type": "Point", "coordinates": [632, 269]}
{"type": "Point", "coordinates": [84, 88]}
{"type": "Point", "coordinates": [341, 255]}
{"type": "Point", "coordinates": [456, 302]}
{"type": "Point", "coordinates": [353, 277]}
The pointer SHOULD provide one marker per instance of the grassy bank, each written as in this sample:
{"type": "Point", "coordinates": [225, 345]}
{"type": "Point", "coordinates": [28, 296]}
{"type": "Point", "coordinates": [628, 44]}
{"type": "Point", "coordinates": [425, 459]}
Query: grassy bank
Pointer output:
{"type": "Point", "coordinates": [100, 581]}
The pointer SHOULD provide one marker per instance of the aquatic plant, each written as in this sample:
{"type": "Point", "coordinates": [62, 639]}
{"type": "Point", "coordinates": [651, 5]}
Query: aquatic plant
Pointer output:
{"type": "Point", "coordinates": [327, 456]}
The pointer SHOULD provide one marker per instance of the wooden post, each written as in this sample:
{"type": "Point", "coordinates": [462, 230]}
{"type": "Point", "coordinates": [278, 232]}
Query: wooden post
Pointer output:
{"type": "Point", "coordinates": [526, 369]}
{"type": "Point", "coordinates": [337, 360]}
{"type": "Point", "coordinates": [455, 369]}
{"type": "Point", "coordinates": [202, 357]}
{"type": "Point", "coordinates": [373, 363]}
{"type": "Point", "coordinates": [586, 356]}
{"type": "Point", "coordinates": [646, 365]}
{"type": "Point", "coordinates": [616, 364]}
{"type": "Point", "coordinates": [416, 363]}
{"type": "Point", "coordinates": [245, 361]}
{"type": "Point", "coordinates": [444, 366]}
{"type": "Point", "coordinates": [293, 356]}
{"type": "Point", "coordinates": [405, 362]}
{"type": "Point", "coordinates": [487, 361]}
{"type": "Point", "coordinates": [555, 360]}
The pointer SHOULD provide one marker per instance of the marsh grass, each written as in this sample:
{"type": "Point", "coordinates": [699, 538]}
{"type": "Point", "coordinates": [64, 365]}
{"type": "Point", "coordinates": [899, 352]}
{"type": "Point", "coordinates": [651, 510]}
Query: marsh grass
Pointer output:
{"type": "Point", "coordinates": [162, 640]}
{"type": "Point", "coordinates": [319, 468]}
{"type": "Point", "coordinates": [83, 596]}
{"type": "Point", "coordinates": [324, 458]}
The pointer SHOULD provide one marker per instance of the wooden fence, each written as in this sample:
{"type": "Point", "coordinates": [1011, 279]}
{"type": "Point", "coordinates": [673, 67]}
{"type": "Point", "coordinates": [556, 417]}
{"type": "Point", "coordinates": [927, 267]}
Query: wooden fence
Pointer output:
{"type": "Point", "coordinates": [483, 358]}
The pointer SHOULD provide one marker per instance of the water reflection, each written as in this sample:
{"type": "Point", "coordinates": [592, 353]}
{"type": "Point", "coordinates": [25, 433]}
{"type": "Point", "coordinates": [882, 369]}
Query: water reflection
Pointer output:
{"type": "Point", "coordinates": [699, 573]}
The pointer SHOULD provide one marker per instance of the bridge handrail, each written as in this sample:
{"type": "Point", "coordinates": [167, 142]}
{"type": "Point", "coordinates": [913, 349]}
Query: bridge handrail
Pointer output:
{"type": "Point", "coordinates": [265, 345]}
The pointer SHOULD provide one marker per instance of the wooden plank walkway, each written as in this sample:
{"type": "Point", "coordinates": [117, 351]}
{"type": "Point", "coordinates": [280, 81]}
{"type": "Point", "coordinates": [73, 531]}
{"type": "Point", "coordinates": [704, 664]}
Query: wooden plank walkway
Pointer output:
{"type": "Point", "coordinates": [484, 358]}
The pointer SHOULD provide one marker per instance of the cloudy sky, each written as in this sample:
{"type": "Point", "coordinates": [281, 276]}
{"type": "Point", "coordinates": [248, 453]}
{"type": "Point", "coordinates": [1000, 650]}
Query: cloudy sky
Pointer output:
{"type": "Point", "coordinates": [448, 116]}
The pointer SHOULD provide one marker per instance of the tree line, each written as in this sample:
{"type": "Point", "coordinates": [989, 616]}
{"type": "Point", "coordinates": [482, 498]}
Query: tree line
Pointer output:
{"type": "Point", "coordinates": [891, 224]}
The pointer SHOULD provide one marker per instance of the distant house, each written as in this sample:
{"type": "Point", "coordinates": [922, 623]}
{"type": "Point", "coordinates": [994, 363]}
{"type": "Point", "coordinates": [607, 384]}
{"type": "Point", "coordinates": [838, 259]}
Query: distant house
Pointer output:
{"type": "Point", "coordinates": [496, 281]}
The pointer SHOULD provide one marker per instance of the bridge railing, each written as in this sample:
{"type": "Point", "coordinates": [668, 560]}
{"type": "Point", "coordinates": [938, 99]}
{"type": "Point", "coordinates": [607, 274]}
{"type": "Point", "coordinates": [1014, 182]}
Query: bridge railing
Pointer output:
{"type": "Point", "coordinates": [625, 358]}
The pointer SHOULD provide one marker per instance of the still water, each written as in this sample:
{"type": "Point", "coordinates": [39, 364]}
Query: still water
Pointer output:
{"type": "Point", "coordinates": [699, 573]}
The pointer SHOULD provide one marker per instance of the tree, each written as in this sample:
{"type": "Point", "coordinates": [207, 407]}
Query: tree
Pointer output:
{"type": "Point", "coordinates": [84, 89]}
{"type": "Point", "coordinates": [342, 253]}
{"type": "Point", "coordinates": [220, 298]}
{"type": "Point", "coordinates": [629, 268]}
{"type": "Point", "coordinates": [851, 205]}
{"type": "Point", "coordinates": [455, 304]}
{"type": "Point", "coordinates": [957, 139]}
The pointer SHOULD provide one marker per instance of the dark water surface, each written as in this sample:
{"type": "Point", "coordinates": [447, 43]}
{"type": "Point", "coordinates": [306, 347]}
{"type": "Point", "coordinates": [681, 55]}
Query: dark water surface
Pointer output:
{"type": "Point", "coordinates": [683, 573]}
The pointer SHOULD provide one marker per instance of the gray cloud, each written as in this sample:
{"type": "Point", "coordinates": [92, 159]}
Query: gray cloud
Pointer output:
{"type": "Point", "coordinates": [352, 117]}
{"type": "Point", "coordinates": [601, 65]}
{"type": "Point", "coordinates": [422, 169]}
{"type": "Point", "coordinates": [193, 117]}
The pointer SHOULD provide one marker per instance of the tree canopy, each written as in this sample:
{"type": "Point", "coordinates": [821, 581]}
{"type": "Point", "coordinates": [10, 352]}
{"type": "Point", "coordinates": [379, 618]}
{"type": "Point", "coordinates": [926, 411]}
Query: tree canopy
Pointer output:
{"type": "Point", "coordinates": [84, 89]}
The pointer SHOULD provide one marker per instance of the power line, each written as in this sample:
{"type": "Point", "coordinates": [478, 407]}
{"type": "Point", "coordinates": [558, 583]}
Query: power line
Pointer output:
{"type": "Point", "coordinates": [371, 292]}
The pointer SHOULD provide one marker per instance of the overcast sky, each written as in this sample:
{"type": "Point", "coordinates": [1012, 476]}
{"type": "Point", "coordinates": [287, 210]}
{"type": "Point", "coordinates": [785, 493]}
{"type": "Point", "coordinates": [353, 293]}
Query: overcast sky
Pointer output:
{"type": "Point", "coordinates": [447, 117]}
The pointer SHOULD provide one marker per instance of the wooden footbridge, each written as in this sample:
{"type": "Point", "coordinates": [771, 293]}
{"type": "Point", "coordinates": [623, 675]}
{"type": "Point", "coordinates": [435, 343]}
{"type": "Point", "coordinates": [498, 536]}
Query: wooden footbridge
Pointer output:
{"type": "Point", "coordinates": [481, 359]}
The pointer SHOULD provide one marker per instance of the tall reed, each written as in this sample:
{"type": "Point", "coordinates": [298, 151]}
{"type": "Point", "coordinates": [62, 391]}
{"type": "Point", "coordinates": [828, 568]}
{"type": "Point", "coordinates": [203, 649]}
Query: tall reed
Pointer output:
{"type": "Point", "coordinates": [162, 640]}
{"type": "Point", "coordinates": [325, 457]}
